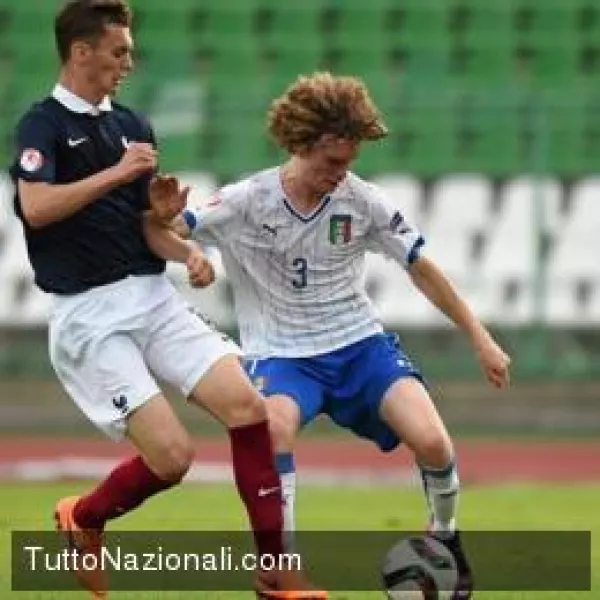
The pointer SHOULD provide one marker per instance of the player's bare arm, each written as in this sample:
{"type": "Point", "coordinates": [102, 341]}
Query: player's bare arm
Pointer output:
{"type": "Point", "coordinates": [45, 203]}
{"type": "Point", "coordinates": [164, 242]}
{"type": "Point", "coordinates": [441, 293]}
{"type": "Point", "coordinates": [178, 224]}
{"type": "Point", "coordinates": [165, 228]}
{"type": "Point", "coordinates": [167, 244]}
{"type": "Point", "coordinates": [167, 199]}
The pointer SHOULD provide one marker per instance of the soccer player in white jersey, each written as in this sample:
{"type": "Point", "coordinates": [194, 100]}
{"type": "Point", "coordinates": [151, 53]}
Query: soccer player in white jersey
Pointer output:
{"type": "Point", "coordinates": [293, 240]}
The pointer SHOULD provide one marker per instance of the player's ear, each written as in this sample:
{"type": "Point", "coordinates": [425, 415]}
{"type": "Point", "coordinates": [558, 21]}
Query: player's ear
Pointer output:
{"type": "Point", "coordinates": [80, 51]}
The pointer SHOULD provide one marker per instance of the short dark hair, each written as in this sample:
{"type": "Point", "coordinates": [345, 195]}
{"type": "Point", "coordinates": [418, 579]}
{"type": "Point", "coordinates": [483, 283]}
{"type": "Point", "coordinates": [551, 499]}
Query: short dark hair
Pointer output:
{"type": "Point", "coordinates": [86, 20]}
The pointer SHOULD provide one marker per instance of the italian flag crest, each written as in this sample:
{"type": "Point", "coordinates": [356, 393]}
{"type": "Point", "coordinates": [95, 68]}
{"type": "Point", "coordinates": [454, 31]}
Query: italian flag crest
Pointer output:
{"type": "Point", "coordinates": [340, 229]}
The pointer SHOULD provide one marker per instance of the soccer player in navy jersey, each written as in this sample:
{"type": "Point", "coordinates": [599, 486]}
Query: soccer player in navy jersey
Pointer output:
{"type": "Point", "coordinates": [84, 170]}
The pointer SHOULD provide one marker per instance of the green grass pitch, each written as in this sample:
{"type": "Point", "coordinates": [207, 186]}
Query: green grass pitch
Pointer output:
{"type": "Point", "coordinates": [215, 507]}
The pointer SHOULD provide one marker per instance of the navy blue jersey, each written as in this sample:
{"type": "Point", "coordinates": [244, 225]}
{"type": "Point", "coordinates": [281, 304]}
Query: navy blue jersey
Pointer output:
{"type": "Point", "coordinates": [103, 242]}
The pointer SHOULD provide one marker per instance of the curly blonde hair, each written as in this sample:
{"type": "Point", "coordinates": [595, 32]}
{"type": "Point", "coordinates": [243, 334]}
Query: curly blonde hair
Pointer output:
{"type": "Point", "coordinates": [324, 104]}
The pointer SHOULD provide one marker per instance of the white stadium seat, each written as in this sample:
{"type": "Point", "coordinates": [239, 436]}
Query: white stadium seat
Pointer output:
{"type": "Point", "coordinates": [511, 252]}
{"type": "Point", "coordinates": [202, 185]}
{"type": "Point", "coordinates": [16, 273]}
{"type": "Point", "coordinates": [397, 300]}
{"type": "Point", "coordinates": [529, 209]}
{"type": "Point", "coordinates": [460, 203]}
{"type": "Point", "coordinates": [213, 302]}
{"type": "Point", "coordinates": [575, 255]}
{"type": "Point", "coordinates": [460, 211]}
{"type": "Point", "coordinates": [14, 263]}
{"type": "Point", "coordinates": [503, 304]}
{"type": "Point", "coordinates": [573, 261]}
{"type": "Point", "coordinates": [6, 201]}
{"type": "Point", "coordinates": [561, 306]}
{"type": "Point", "coordinates": [6, 221]}
{"type": "Point", "coordinates": [6, 302]}
{"type": "Point", "coordinates": [593, 312]}
{"type": "Point", "coordinates": [36, 306]}
{"type": "Point", "coordinates": [405, 191]}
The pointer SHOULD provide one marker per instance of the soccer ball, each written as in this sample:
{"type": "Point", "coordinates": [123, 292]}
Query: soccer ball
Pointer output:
{"type": "Point", "coordinates": [419, 568]}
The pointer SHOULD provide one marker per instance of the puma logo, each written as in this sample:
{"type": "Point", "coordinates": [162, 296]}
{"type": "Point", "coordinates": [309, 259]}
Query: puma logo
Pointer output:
{"type": "Point", "coordinates": [271, 230]}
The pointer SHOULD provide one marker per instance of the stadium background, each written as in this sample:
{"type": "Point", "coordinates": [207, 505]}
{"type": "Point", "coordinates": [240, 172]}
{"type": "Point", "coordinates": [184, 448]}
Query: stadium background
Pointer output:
{"type": "Point", "coordinates": [494, 112]}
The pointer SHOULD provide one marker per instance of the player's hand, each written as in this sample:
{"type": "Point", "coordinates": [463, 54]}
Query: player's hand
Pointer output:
{"type": "Point", "coordinates": [495, 363]}
{"type": "Point", "coordinates": [167, 197]}
{"type": "Point", "coordinates": [200, 270]}
{"type": "Point", "coordinates": [139, 159]}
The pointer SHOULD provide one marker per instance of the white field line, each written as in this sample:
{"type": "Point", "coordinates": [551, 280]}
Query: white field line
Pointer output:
{"type": "Point", "coordinates": [60, 468]}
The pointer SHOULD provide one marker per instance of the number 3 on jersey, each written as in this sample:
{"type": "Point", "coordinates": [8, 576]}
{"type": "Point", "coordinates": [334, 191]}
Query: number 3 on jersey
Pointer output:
{"type": "Point", "coordinates": [301, 266]}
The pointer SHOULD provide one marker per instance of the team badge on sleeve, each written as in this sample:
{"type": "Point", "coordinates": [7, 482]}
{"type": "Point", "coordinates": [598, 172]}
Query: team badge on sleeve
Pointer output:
{"type": "Point", "coordinates": [340, 229]}
{"type": "Point", "coordinates": [31, 160]}
{"type": "Point", "coordinates": [398, 225]}
{"type": "Point", "coordinates": [213, 201]}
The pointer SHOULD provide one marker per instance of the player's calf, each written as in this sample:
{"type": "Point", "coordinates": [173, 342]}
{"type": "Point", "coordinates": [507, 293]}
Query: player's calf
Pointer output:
{"type": "Point", "coordinates": [175, 461]}
{"type": "Point", "coordinates": [126, 487]}
{"type": "Point", "coordinates": [155, 430]}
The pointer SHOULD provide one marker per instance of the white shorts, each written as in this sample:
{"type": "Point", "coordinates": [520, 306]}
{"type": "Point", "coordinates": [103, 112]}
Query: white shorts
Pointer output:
{"type": "Point", "coordinates": [107, 344]}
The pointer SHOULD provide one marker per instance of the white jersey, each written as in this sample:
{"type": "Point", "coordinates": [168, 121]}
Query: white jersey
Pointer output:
{"type": "Point", "coordinates": [298, 280]}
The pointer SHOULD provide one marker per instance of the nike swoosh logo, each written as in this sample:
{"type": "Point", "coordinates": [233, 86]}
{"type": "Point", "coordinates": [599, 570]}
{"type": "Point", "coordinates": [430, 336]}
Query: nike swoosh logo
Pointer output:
{"type": "Point", "coordinates": [73, 143]}
{"type": "Point", "coordinates": [262, 492]}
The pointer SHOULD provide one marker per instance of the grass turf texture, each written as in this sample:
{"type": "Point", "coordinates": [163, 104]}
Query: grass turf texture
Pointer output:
{"type": "Point", "coordinates": [28, 506]}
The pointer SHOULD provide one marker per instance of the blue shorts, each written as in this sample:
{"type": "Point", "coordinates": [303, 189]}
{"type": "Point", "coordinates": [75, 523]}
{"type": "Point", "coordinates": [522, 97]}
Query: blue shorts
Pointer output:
{"type": "Point", "coordinates": [347, 384]}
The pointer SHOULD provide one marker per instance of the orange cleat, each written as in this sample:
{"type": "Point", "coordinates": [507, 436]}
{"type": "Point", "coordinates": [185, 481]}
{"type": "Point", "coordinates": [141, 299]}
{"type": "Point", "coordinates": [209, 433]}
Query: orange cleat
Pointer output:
{"type": "Point", "coordinates": [82, 541]}
{"type": "Point", "coordinates": [286, 585]}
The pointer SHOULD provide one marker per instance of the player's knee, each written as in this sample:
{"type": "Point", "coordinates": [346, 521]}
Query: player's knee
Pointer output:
{"type": "Point", "coordinates": [434, 449]}
{"type": "Point", "coordinates": [176, 459]}
{"type": "Point", "coordinates": [282, 427]}
{"type": "Point", "coordinates": [247, 408]}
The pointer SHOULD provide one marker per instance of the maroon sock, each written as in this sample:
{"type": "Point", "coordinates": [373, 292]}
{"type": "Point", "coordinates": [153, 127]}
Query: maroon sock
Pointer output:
{"type": "Point", "coordinates": [128, 485]}
{"type": "Point", "coordinates": [259, 485]}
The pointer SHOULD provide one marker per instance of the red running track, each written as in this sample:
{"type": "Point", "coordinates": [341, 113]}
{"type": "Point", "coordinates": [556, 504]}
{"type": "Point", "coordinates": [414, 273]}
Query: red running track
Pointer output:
{"type": "Point", "coordinates": [480, 461]}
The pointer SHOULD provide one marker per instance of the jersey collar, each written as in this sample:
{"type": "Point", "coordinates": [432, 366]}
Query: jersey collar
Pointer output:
{"type": "Point", "coordinates": [78, 105]}
{"type": "Point", "coordinates": [305, 218]}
